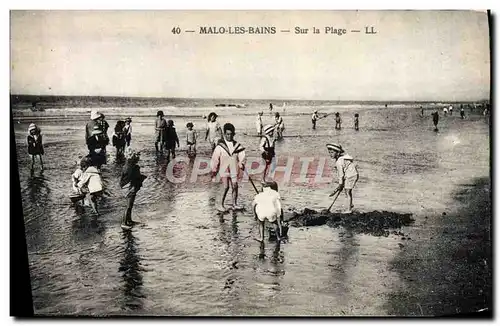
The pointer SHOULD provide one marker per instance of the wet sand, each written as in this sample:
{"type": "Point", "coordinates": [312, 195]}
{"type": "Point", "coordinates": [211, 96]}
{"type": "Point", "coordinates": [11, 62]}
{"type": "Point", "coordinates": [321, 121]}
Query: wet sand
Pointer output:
{"type": "Point", "coordinates": [185, 260]}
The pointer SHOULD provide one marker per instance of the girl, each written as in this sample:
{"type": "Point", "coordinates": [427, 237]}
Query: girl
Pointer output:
{"type": "Point", "coordinates": [214, 131]}
{"type": "Point", "coordinates": [279, 126]}
{"type": "Point", "coordinates": [267, 206]}
{"type": "Point", "coordinates": [266, 148]}
{"type": "Point", "coordinates": [191, 137]}
{"type": "Point", "coordinates": [91, 183]}
{"type": "Point", "coordinates": [128, 130]}
{"type": "Point", "coordinates": [35, 145]}
{"type": "Point", "coordinates": [171, 139]}
{"type": "Point", "coordinates": [131, 182]}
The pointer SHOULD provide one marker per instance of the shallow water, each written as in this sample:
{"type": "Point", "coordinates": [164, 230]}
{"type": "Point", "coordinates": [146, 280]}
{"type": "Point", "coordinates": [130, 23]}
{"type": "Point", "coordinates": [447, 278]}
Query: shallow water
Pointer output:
{"type": "Point", "coordinates": [185, 261]}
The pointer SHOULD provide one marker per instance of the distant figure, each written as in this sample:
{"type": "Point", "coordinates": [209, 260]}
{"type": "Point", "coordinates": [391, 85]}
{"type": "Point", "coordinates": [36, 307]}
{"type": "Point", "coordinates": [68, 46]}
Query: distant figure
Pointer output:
{"type": "Point", "coordinates": [119, 139]}
{"type": "Point", "coordinates": [191, 137]}
{"type": "Point", "coordinates": [91, 183]}
{"type": "Point", "coordinates": [421, 111]}
{"type": "Point", "coordinates": [258, 123]}
{"type": "Point", "coordinates": [33, 106]}
{"type": "Point", "coordinates": [35, 144]}
{"type": "Point", "coordinates": [338, 121]}
{"type": "Point", "coordinates": [314, 118]}
{"type": "Point", "coordinates": [450, 109]}
{"type": "Point", "coordinates": [266, 148]}
{"type": "Point", "coordinates": [347, 172]}
{"type": "Point", "coordinates": [214, 131]}
{"type": "Point", "coordinates": [356, 121]}
{"type": "Point", "coordinates": [435, 119]}
{"type": "Point", "coordinates": [279, 126]}
{"type": "Point", "coordinates": [445, 111]}
{"type": "Point", "coordinates": [228, 161]}
{"type": "Point", "coordinates": [270, 107]}
{"type": "Point", "coordinates": [131, 182]}
{"type": "Point", "coordinates": [462, 113]}
{"type": "Point", "coordinates": [171, 139]}
{"type": "Point", "coordinates": [160, 130]}
{"type": "Point", "coordinates": [266, 205]}
{"type": "Point", "coordinates": [128, 130]}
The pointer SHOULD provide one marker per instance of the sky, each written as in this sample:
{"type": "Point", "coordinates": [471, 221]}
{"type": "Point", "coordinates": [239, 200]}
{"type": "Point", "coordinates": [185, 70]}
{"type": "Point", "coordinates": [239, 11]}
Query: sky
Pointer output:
{"type": "Point", "coordinates": [415, 55]}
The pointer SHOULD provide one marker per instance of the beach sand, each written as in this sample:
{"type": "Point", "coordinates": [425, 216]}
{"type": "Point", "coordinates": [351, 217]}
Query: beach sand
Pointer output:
{"type": "Point", "coordinates": [185, 260]}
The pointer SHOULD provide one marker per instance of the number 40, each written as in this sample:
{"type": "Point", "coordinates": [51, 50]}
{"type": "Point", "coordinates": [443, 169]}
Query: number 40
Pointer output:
{"type": "Point", "coordinates": [176, 30]}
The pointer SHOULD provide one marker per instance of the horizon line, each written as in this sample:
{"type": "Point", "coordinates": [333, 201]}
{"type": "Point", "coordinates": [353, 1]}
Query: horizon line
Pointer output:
{"type": "Point", "coordinates": [250, 99]}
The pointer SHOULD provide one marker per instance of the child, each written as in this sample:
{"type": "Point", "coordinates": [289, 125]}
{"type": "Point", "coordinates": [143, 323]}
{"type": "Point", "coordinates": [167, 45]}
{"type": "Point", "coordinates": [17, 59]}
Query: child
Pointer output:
{"type": "Point", "coordinates": [91, 183]}
{"type": "Point", "coordinates": [131, 182]}
{"type": "Point", "coordinates": [267, 205]}
{"type": "Point", "coordinates": [266, 147]}
{"type": "Point", "coordinates": [228, 160]}
{"type": "Point", "coordinates": [35, 144]}
{"type": "Point", "coordinates": [279, 126]}
{"type": "Point", "coordinates": [435, 119]}
{"type": "Point", "coordinates": [338, 121]}
{"type": "Point", "coordinates": [191, 137]}
{"type": "Point", "coordinates": [258, 123]}
{"type": "Point", "coordinates": [314, 118]}
{"type": "Point", "coordinates": [119, 140]}
{"type": "Point", "coordinates": [128, 131]}
{"type": "Point", "coordinates": [96, 144]}
{"type": "Point", "coordinates": [462, 112]}
{"type": "Point", "coordinates": [171, 139]}
{"type": "Point", "coordinates": [347, 172]}
{"type": "Point", "coordinates": [356, 121]}
{"type": "Point", "coordinates": [77, 176]}
{"type": "Point", "coordinates": [214, 132]}
{"type": "Point", "coordinates": [160, 127]}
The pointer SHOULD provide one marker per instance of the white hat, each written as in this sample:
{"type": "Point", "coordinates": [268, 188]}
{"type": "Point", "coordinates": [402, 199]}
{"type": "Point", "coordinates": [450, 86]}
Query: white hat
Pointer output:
{"type": "Point", "coordinates": [315, 111]}
{"type": "Point", "coordinates": [335, 147]}
{"type": "Point", "coordinates": [32, 127]}
{"type": "Point", "coordinates": [94, 114]}
{"type": "Point", "coordinates": [268, 129]}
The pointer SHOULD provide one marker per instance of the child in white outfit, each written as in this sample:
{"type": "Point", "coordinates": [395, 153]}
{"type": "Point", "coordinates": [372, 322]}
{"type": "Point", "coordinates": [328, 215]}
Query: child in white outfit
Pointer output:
{"type": "Point", "coordinates": [267, 206]}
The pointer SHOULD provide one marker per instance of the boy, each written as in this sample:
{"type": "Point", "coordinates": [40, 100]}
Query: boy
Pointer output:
{"type": "Point", "coordinates": [314, 118]}
{"type": "Point", "coordinates": [191, 137]}
{"type": "Point", "coordinates": [338, 121]}
{"type": "Point", "coordinates": [91, 183]}
{"type": "Point", "coordinates": [228, 160]}
{"type": "Point", "coordinates": [267, 205]}
{"type": "Point", "coordinates": [279, 126]}
{"type": "Point", "coordinates": [356, 121]}
{"type": "Point", "coordinates": [171, 139]}
{"type": "Point", "coordinates": [214, 132]}
{"type": "Point", "coordinates": [128, 130]}
{"type": "Point", "coordinates": [35, 145]}
{"type": "Point", "coordinates": [347, 172]}
{"type": "Point", "coordinates": [435, 119]}
{"type": "Point", "coordinates": [131, 182]}
{"type": "Point", "coordinates": [119, 139]}
{"type": "Point", "coordinates": [266, 148]}
{"type": "Point", "coordinates": [160, 127]}
{"type": "Point", "coordinates": [258, 123]}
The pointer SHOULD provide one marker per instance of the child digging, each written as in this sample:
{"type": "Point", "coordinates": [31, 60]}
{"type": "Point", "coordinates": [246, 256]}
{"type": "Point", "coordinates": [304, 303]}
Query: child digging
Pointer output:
{"type": "Point", "coordinates": [131, 182]}
{"type": "Point", "coordinates": [266, 148]}
{"type": "Point", "coordinates": [77, 176]}
{"type": "Point", "coordinates": [347, 172]}
{"type": "Point", "coordinates": [91, 183]}
{"type": "Point", "coordinates": [35, 145]}
{"type": "Point", "coordinates": [267, 205]}
{"type": "Point", "coordinates": [228, 161]}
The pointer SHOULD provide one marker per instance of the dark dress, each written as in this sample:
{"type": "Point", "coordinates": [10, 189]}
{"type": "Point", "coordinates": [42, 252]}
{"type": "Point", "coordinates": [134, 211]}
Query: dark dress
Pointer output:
{"type": "Point", "coordinates": [35, 147]}
{"type": "Point", "coordinates": [131, 175]}
{"type": "Point", "coordinates": [171, 138]}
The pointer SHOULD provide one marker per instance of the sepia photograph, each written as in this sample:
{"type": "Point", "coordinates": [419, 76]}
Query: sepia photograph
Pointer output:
{"type": "Point", "coordinates": [241, 163]}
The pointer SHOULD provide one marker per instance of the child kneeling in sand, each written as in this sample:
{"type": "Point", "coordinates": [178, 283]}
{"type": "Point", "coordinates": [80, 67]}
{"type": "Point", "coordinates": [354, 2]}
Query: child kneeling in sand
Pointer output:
{"type": "Point", "coordinates": [347, 172]}
{"type": "Point", "coordinates": [131, 181]}
{"type": "Point", "coordinates": [267, 205]}
{"type": "Point", "coordinates": [228, 160]}
{"type": "Point", "coordinates": [91, 183]}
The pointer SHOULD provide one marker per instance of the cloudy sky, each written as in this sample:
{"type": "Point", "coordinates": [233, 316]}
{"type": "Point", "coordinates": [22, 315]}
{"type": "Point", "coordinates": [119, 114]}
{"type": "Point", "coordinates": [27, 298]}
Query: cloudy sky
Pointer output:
{"type": "Point", "coordinates": [415, 55]}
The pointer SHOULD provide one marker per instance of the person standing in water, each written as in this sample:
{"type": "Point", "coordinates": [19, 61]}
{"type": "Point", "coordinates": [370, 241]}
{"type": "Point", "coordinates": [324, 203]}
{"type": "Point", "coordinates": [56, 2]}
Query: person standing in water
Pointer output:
{"type": "Point", "coordinates": [258, 123]}
{"type": "Point", "coordinates": [356, 121]}
{"type": "Point", "coordinates": [128, 130]}
{"type": "Point", "coordinates": [451, 110]}
{"type": "Point", "coordinates": [171, 139]}
{"type": "Point", "coordinates": [266, 148]}
{"type": "Point", "coordinates": [131, 182]}
{"type": "Point", "coordinates": [314, 118]}
{"type": "Point", "coordinates": [214, 131]}
{"type": "Point", "coordinates": [228, 161]}
{"type": "Point", "coordinates": [338, 121]}
{"type": "Point", "coordinates": [191, 137]}
{"type": "Point", "coordinates": [35, 145]}
{"type": "Point", "coordinates": [435, 119]}
{"type": "Point", "coordinates": [160, 129]}
{"type": "Point", "coordinates": [462, 112]}
{"type": "Point", "coordinates": [271, 107]}
{"type": "Point", "coordinates": [279, 126]}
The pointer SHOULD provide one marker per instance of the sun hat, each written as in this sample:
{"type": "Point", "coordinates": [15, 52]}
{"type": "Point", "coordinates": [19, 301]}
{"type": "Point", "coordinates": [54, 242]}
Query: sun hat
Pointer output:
{"type": "Point", "coordinates": [315, 111]}
{"type": "Point", "coordinates": [335, 147]}
{"type": "Point", "coordinates": [94, 114]}
{"type": "Point", "coordinates": [32, 127]}
{"type": "Point", "coordinates": [268, 129]}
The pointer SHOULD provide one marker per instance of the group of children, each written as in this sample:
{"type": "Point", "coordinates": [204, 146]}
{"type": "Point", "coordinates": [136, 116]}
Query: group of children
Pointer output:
{"type": "Point", "coordinates": [166, 135]}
